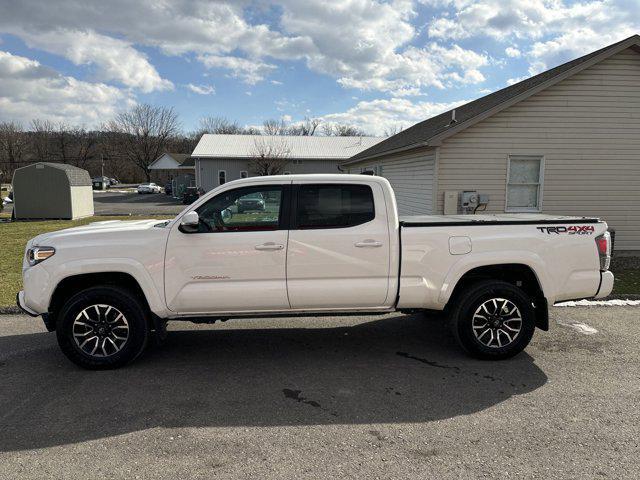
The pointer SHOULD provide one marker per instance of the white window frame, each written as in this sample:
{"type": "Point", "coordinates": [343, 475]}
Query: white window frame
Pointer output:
{"type": "Point", "coordinates": [540, 184]}
{"type": "Point", "coordinates": [246, 174]}
{"type": "Point", "coordinates": [225, 176]}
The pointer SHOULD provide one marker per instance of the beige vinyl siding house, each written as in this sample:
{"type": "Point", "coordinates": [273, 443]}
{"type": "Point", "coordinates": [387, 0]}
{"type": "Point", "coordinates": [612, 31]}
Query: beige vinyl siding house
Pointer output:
{"type": "Point", "coordinates": [569, 145]}
{"type": "Point", "coordinates": [412, 177]}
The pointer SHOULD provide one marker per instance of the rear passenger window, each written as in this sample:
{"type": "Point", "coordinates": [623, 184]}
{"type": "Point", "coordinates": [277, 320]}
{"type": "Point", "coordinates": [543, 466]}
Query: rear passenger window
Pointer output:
{"type": "Point", "coordinates": [334, 206]}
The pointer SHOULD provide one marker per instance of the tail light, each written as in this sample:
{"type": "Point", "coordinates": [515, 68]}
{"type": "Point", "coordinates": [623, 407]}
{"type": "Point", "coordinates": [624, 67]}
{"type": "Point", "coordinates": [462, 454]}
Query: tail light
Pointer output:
{"type": "Point", "coordinates": [603, 242]}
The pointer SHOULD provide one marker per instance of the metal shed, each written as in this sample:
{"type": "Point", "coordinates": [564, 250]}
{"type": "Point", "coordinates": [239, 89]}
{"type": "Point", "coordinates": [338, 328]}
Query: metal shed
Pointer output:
{"type": "Point", "coordinates": [52, 190]}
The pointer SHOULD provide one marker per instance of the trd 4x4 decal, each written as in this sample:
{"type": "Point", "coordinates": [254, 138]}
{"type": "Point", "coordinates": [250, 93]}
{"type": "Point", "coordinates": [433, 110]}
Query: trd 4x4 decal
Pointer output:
{"type": "Point", "coordinates": [571, 230]}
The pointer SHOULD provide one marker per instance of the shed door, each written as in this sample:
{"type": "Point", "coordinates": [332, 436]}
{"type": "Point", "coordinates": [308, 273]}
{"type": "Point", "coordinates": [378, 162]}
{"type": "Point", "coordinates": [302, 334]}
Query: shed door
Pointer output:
{"type": "Point", "coordinates": [412, 181]}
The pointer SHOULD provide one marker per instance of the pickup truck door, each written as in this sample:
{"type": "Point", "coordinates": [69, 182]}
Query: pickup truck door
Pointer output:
{"type": "Point", "coordinates": [338, 254]}
{"type": "Point", "coordinates": [236, 260]}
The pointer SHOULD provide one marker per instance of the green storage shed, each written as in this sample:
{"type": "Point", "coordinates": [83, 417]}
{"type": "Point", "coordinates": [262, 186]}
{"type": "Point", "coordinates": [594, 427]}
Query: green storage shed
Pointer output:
{"type": "Point", "coordinates": [52, 190]}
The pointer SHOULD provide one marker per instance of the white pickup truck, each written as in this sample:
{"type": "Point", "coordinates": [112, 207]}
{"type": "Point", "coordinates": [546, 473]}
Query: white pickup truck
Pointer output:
{"type": "Point", "coordinates": [308, 244]}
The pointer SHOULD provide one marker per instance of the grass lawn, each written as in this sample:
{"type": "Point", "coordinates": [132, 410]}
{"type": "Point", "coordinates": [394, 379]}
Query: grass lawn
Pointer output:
{"type": "Point", "coordinates": [626, 282]}
{"type": "Point", "coordinates": [14, 237]}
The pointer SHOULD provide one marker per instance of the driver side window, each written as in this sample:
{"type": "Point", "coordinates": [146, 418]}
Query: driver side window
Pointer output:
{"type": "Point", "coordinates": [243, 209]}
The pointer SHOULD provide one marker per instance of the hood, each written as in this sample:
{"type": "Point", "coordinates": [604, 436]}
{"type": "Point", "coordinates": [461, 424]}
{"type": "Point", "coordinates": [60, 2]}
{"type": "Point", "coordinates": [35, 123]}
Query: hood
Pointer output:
{"type": "Point", "coordinates": [98, 228]}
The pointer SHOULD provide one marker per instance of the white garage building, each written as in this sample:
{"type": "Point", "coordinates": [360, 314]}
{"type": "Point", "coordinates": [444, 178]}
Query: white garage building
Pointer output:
{"type": "Point", "coordinates": [222, 158]}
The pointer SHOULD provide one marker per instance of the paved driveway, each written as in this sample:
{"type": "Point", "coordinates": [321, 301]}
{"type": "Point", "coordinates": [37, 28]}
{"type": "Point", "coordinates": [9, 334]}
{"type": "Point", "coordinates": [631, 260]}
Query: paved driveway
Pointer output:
{"type": "Point", "coordinates": [354, 397]}
{"type": "Point", "coordinates": [117, 203]}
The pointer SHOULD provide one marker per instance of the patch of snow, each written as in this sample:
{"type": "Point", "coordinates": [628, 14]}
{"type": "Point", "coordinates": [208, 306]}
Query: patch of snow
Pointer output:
{"type": "Point", "coordinates": [599, 303]}
{"type": "Point", "coordinates": [579, 327]}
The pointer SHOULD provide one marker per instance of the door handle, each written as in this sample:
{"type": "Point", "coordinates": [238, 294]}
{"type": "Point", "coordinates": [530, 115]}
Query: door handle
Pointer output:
{"type": "Point", "coordinates": [269, 246]}
{"type": "Point", "coordinates": [368, 244]}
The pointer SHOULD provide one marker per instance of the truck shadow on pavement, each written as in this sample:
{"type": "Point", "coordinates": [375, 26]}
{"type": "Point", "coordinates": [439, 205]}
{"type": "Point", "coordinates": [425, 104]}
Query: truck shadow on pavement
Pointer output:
{"type": "Point", "coordinates": [393, 369]}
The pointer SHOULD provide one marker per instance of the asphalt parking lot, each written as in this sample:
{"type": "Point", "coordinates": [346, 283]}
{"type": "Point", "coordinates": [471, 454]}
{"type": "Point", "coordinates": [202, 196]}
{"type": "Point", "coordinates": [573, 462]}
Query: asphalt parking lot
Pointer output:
{"type": "Point", "coordinates": [354, 397]}
{"type": "Point", "coordinates": [131, 203]}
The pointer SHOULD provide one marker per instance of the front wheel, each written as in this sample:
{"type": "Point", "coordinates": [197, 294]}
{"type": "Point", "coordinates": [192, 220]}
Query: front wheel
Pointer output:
{"type": "Point", "coordinates": [102, 327]}
{"type": "Point", "coordinates": [493, 320]}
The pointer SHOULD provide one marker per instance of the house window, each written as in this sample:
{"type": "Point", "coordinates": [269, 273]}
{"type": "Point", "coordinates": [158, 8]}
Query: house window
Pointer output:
{"type": "Point", "coordinates": [524, 183]}
{"type": "Point", "coordinates": [297, 161]}
{"type": "Point", "coordinates": [244, 174]}
{"type": "Point", "coordinates": [222, 177]}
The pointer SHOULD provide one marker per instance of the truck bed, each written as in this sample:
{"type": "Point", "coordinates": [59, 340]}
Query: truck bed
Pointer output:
{"type": "Point", "coordinates": [495, 219]}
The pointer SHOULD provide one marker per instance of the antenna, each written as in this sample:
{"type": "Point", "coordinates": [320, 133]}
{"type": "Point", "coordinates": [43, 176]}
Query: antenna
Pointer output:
{"type": "Point", "coordinates": [453, 117]}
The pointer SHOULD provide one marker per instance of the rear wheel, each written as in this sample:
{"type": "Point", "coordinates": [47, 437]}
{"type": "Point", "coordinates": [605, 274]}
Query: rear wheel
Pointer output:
{"type": "Point", "coordinates": [493, 320]}
{"type": "Point", "coordinates": [102, 327]}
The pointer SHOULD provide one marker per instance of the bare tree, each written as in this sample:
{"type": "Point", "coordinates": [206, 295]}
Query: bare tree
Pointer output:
{"type": "Point", "coordinates": [42, 139]}
{"type": "Point", "coordinates": [269, 157]}
{"type": "Point", "coordinates": [305, 128]}
{"type": "Point", "coordinates": [147, 131]}
{"type": "Point", "coordinates": [275, 127]}
{"type": "Point", "coordinates": [393, 130]}
{"type": "Point", "coordinates": [220, 125]}
{"type": "Point", "coordinates": [339, 130]}
{"type": "Point", "coordinates": [62, 143]}
{"type": "Point", "coordinates": [12, 149]}
{"type": "Point", "coordinates": [84, 146]}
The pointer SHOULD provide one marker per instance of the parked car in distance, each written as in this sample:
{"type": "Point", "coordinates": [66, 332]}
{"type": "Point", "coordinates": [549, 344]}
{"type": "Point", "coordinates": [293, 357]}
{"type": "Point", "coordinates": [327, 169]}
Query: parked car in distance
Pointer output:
{"type": "Point", "coordinates": [149, 188]}
{"type": "Point", "coordinates": [190, 195]}
{"type": "Point", "coordinates": [325, 244]}
{"type": "Point", "coordinates": [113, 181]}
{"type": "Point", "coordinates": [253, 201]}
{"type": "Point", "coordinates": [168, 188]}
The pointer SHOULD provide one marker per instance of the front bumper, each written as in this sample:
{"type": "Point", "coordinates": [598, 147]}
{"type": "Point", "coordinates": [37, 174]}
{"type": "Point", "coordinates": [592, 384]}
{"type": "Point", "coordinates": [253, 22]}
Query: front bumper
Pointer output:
{"type": "Point", "coordinates": [23, 306]}
{"type": "Point", "coordinates": [606, 284]}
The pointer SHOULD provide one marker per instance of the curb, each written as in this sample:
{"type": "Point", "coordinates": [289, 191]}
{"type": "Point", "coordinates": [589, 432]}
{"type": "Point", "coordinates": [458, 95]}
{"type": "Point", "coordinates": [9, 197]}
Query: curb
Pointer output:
{"type": "Point", "coordinates": [10, 311]}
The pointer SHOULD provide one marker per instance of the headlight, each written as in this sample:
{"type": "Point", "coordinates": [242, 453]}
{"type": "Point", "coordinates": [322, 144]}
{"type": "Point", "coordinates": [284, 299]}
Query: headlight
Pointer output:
{"type": "Point", "coordinates": [36, 255]}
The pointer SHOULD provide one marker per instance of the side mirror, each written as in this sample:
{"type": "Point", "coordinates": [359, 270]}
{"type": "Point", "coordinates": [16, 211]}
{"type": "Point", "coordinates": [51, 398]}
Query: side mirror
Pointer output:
{"type": "Point", "coordinates": [226, 214]}
{"type": "Point", "coordinates": [190, 222]}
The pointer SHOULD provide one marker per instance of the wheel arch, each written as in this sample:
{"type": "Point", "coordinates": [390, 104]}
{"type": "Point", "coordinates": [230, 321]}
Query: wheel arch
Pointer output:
{"type": "Point", "coordinates": [518, 274]}
{"type": "Point", "coordinates": [72, 284]}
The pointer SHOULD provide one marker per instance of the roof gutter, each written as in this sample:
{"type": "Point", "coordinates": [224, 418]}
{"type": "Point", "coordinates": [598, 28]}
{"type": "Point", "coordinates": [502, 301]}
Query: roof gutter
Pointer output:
{"type": "Point", "coordinates": [390, 152]}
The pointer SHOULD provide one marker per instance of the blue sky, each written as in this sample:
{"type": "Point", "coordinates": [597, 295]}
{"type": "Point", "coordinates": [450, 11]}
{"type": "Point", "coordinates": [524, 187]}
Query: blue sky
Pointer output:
{"type": "Point", "coordinates": [378, 65]}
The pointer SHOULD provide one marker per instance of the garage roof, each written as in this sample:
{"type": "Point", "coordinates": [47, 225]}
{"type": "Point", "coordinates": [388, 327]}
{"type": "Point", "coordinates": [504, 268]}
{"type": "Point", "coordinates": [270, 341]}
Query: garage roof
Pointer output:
{"type": "Point", "coordinates": [433, 130]}
{"type": "Point", "coordinates": [307, 147]}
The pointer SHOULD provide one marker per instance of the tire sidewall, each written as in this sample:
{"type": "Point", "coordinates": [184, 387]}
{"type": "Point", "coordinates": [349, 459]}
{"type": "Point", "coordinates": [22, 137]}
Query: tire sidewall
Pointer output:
{"type": "Point", "coordinates": [128, 305]}
{"type": "Point", "coordinates": [463, 319]}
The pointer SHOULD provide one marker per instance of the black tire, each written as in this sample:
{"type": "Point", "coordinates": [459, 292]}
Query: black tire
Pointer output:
{"type": "Point", "coordinates": [468, 312]}
{"type": "Point", "coordinates": [119, 300]}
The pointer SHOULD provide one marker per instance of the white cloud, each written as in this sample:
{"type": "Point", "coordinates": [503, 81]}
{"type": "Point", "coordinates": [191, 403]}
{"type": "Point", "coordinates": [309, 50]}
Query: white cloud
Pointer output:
{"type": "Point", "coordinates": [560, 30]}
{"type": "Point", "coordinates": [572, 44]}
{"type": "Point", "coordinates": [512, 81]}
{"type": "Point", "coordinates": [361, 43]}
{"type": "Point", "coordinates": [115, 59]}
{"type": "Point", "coordinates": [30, 90]}
{"type": "Point", "coordinates": [513, 52]}
{"type": "Point", "coordinates": [202, 89]}
{"type": "Point", "coordinates": [249, 71]}
{"type": "Point", "coordinates": [377, 116]}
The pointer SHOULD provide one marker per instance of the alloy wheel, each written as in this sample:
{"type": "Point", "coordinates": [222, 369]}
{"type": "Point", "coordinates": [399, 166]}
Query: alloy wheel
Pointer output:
{"type": "Point", "coordinates": [497, 322]}
{"type": "Point", "coordinates": [100, 330]}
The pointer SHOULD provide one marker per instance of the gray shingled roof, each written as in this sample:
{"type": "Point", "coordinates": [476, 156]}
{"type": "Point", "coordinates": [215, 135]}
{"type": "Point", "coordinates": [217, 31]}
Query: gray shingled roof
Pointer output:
{"type": "Point", "coordinates": [420, 133]}
{"type": "Point", "coordinates": [76, 175]}
{"type": "Point", "coordinates": [179, 157]}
